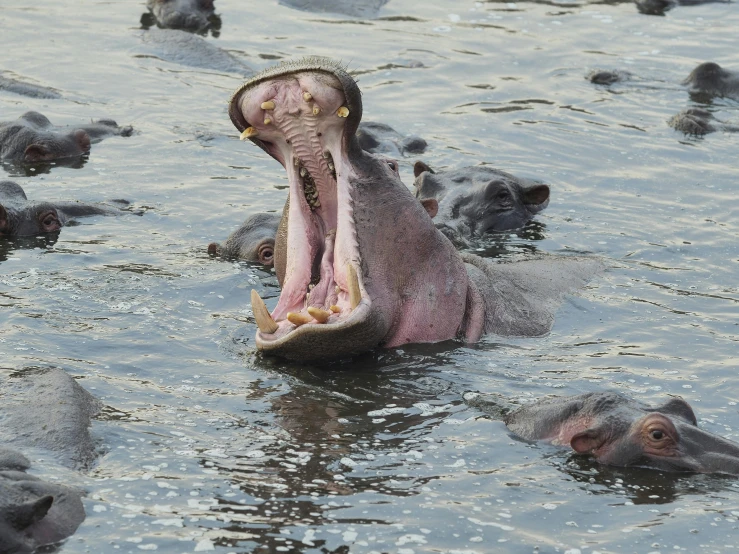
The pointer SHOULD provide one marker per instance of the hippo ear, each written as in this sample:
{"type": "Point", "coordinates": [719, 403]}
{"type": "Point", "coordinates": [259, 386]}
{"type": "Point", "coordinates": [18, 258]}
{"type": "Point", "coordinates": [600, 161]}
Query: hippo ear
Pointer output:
{"type": "Point", "coordinates": [35, 153]}
{"type": "Point", "coordinates": [27, 514]}
{"type": "Point", "coordinates": [431, 205]}
{"type": "Point", "coordinates": [536, 195]}
{"type": "Point", "coordinates": [213, 249]}
{"type": "Point", "coordinates": [586, 442]}
{"type": "Point", "coordinates": [419, 167]}
{"type": "Point", "coordinates": [679, 407]}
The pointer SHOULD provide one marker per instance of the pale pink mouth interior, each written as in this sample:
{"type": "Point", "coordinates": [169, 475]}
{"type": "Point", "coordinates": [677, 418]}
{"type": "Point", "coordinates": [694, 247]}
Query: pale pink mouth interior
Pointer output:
{"type": "Point", "coordinates": [301, 116]}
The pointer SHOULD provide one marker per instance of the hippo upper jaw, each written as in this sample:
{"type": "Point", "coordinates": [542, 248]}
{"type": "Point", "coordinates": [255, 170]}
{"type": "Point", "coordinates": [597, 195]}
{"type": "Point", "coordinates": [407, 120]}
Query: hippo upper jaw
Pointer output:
{"type": "Point", "coordinates": [362, 260]}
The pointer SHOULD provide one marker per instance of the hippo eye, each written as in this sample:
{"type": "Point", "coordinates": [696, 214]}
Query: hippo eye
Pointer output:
{"type": "Point", "coordinates": [393, 165]}
{"type": "Point", "coordinates": [657, 434]}
{"type": "Point", "coordinates": [49, 222]}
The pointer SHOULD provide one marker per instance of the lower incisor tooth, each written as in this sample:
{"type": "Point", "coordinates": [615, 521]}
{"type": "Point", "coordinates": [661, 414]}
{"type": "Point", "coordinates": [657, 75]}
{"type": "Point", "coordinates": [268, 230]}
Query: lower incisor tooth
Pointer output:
{"type": "Point", "coordinates": [316, 110]}
{"type": "Point", "coordinates": [298, 319]}
{"type": "Point", "coordinates": [264, 321]}
{"type": "Point", "coordinates": [352, 282]}
{"type": "Point", "coordinates": [321, 316]}
{"type": "Point", "coordinates": [343, 111]}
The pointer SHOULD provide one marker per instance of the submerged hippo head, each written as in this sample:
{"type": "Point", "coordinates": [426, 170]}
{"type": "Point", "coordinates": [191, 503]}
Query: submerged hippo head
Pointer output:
{"type": "Point", "coordinates": [710, 79]}
{"type": "Point", "coordinates": [189, 15]}
{"type": "Point", "coordinates": [32, 138]}
{"type": "Point", "coordinates": [359, 260]}
{"type": "Point", "coordinates": [253, 241]}
{"type": "Point", "coordinates": [21, 217]}
{"type": "Point", "coordinates": [479, 199]}
{"type": "Point", "coordinates": [620, 431]}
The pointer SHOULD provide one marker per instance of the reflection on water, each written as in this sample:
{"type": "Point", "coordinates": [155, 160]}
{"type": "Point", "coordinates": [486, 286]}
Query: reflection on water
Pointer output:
{"type": "Point", "coordinates": [209, 445]}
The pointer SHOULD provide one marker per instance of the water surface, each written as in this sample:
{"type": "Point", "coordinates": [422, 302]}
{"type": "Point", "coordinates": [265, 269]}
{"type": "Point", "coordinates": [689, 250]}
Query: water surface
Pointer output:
{"type": "Point", "coordinates": [209, 446]}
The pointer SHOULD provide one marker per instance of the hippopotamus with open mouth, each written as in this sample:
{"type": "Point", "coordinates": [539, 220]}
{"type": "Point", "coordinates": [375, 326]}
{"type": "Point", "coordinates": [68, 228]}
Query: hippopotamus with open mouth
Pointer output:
{"type": "Point", "coordinates": [620, 431]}
{"type": "Point", "coordinates": [360, 262]}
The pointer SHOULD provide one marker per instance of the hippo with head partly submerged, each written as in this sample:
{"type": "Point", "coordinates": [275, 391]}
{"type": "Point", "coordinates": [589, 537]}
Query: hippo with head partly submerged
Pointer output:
{"type": "Point", "coordinates": [620, 431]}
{"type": "Point", "coordinates": [360, 262]}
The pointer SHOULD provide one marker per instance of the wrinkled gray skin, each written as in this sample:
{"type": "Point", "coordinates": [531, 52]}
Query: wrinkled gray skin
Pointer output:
{"type": "Point", "coordinates": [16, 86]}
{"type": "Point", "coordinates": [412, 285]}
{"type": "Point", "coordinates": [32, 138]}
{"type": "Point", "coordinates": [699, 122]}
{"type": "Point", "coordinates": [20, 217]}
{"type": "Point", "coordinates": [354, 8]}
{"type": "Point", "coordinates": [659, 7]}
{"type": "Point", "coordinates": [379, 138]}
{"type": "Point", "coordinates": [45, 408]}
{"type": "Point", "coordinates": [253, 241]}
{"type": "Point", "coordinates": [188, 15]}
{"type": "Point", "coordinates": [187, 49]}
{"type": "Point", "coordinates": [33, 513]}
{"type": "Point", "coordinates": [472, 201]}
{"type": "Point", "coordinates": [620, 431]}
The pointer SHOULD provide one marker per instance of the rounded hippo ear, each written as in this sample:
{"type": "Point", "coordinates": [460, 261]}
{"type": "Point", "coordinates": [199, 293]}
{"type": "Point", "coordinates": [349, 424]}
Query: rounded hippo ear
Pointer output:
{"type": "Point", "coordinates": [419, 167]}
{"type": "Point", "coordinates": [213, 249]}
{"type": "Point", "coordinates": [431, 205]}
{"type": "Point", "coordinates": [29, 513]}
{"type": "Point", "coordinates": [36, 153]}
{"type": "Point", "coordinates": [586, 441]}
{"type": "Point", "coordinates": [536, 195]}
{"type": "Point", "coordinates": [679, 407]}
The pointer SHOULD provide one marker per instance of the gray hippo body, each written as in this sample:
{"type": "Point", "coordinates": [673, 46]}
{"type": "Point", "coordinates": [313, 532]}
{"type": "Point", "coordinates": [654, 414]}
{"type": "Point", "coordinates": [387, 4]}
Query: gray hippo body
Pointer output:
{"type": "Point", "coordinates": [44, 408]}
{"type": "Point", "coordinates": [354, 8]}
{"type": "Point", "coordinates": [360, 262]}
{"type": "Point", "coordinates": [253, 241]}
{"type": "Point", "coordinates": [472, 201]}
{"type": "Point", "coordinates": [620, 431]}
{"type": "Point", "coordinates": [32, 138]}
{"type": "Point", "coordinates": [17, 86]}
{"type": "Point", "coordinates": [184, 48]}
{"type": "Point", "coordinates": [21, 217]}
{"type": "Point", "coordinates": [197, 16]}
{"type": "Point", "coordinates": [45, 411]}
{"type": "Point", "coordinates": [33, 512]}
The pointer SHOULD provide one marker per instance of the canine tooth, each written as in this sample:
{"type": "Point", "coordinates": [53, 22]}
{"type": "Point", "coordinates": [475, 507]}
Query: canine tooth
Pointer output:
{"type": "Point", "coordinates": [268, 105]}
{"type": "Point", "coordinates": [267, 121]}
{"type": "Point", "coordinates": [298, 319]}
{"type": "Point", "coordinates": [355, 295]}
{"type": "Point", "coordinates": [343, 111]}
{"type": "Point", "coordinates": [248, 133]}
{"type": "Point", "coordinates": [335, 309]}
{"type": "Point", "coordinates": [307, 96]}
{"type": "Point", "coordinates": [321, 316]}
{"type": "Point", "coordinates": [316, 110]}
{"type": "Point", "coordinates": [264, 321]}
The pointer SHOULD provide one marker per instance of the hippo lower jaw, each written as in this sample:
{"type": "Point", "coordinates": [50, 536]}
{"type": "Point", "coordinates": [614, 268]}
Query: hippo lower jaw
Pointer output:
{"type": "Point", "coordinates": [364, 264]}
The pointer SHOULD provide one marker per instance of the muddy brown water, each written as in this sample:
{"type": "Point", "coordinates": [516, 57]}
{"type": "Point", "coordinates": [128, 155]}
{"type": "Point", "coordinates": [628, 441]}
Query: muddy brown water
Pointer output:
{"type": "Point", "coordinates": [208, 446]}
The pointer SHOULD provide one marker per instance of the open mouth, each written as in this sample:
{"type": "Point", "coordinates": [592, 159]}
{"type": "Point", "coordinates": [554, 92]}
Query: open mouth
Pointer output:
{"type": "Point", "coordinates": [301, 115]}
